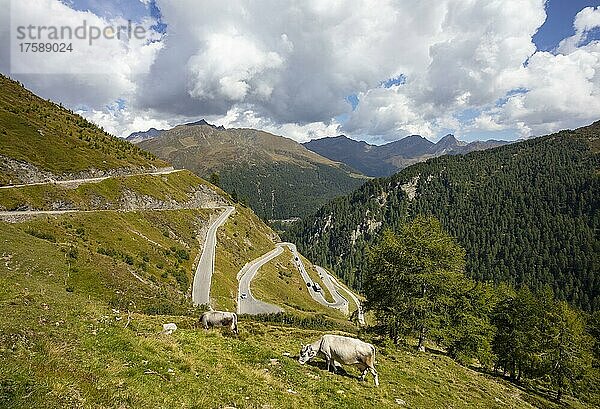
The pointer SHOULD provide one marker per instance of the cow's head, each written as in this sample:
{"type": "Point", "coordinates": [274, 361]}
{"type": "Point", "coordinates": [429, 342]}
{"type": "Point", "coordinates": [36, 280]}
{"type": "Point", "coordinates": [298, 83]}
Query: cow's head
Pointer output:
{"type": "Point", "coordinates": [306, 353]}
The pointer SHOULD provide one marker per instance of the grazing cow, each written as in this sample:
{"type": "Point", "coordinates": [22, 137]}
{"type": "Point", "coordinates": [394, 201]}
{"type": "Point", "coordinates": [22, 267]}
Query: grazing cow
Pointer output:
{"type": "Point", "coordinates": [349, 351]}
{"type": "Point", "coordinates": [219, 319]}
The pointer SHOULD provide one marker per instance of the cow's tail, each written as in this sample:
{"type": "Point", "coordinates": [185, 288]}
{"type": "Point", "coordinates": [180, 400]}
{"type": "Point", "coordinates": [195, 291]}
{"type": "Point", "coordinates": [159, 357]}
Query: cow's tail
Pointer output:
{"type": "Point", "coordinates": [235, 323]}
{"type": "Point", "coordinates": [373, 351]}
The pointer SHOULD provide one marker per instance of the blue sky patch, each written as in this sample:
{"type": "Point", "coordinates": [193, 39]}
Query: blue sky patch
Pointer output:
{"type": "Point", "coordinates": [504, 100]}
{"type": "Point", "coordinates": [133, 10]}
{"type": "Point", "coordinates": [559, 23]}
{"type": "Point", "coordinates": [390, 82]}
{"type": "Point", "coordinates": [467, 115]}
{"type": "Point", "coordinates": [352, 100]}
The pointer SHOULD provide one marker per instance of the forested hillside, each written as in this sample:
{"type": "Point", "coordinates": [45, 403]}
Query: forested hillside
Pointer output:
{"type": "Point", "coordinates": [527, 213]}
{"type": "Point", "coordinates": [285, 190]}
{"type": "Point", "coordinates": [276, 176]}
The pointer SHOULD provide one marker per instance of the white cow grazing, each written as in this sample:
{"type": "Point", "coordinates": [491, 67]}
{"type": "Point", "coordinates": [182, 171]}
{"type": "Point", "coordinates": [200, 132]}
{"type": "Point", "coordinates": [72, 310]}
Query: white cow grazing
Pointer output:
{"type": "Point", "coordinates": [219, 319]}
{"type": "Point", "coordinates": [349, 351]}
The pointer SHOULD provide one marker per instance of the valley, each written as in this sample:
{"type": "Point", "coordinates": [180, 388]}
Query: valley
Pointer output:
{"type": "Point", "coordinates": [98, 252]}
{"type": "Point", "coordinates": [509, 207]}
{"type": "Point", "coordinates": [277, 177]}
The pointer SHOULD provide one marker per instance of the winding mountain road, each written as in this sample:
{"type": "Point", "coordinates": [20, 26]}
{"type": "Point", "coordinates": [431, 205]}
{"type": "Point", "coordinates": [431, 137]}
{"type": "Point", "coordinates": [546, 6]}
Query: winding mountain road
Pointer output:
{"type": "Point", "coordinates": [29, 213]}
{"type": "Point", "coordinates": [361, 315]}
{"type": "Point", "coordinates": [40, 212]}
{"type": "Point", "coordinates": [340, 302]}
{"type": "Point", "coordinates": [165, 171]}
{"type": "Point", "coordinates": [249, 304]}
{"type": "Point", "coordinates": [206, 265]}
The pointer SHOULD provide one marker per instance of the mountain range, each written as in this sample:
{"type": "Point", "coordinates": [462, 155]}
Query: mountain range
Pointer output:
{"type": "Point", "coordinates": [278, 177]}
{"type": "Point", "coordinates": [137, 137]}
{"type": "Point", "coordinates": [526, 213]}
{"type": "Point", "coordinates": [385, 160]}
{"type": "Point", "coordinates": [100, 242]}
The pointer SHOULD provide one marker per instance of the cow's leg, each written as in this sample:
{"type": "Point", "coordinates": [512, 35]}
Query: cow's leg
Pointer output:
{"type": "Point", "coordinates": [330, 363]}
{"type": "Point", "coordinates": [374, 372]}
{"type": "Point", "coordinates": [235, 324]}
{"type": "Point", "coordinates": [363, 369]}
{"type": "Point", "coordinates": [336, 366]}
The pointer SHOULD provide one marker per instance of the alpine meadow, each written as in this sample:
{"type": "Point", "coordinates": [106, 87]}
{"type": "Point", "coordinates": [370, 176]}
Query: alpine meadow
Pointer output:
{"type": "Point", "coordinates": [300, 204]}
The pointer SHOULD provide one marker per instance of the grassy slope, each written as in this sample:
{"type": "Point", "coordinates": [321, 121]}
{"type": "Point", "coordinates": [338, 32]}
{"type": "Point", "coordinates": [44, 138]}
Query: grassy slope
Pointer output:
{"type": "Point", "coordinates": [57, 140]}
{"type": "Point", "coordinates": [106, 194]}
{"type": "Point", "coordinates": [279, 282]}
{"type": "Point", "coordinates": [158, 246]}
{"type": "Point", "coordinates": [242, 238]}
{"type": "Point", "coordinates": [68, 349]}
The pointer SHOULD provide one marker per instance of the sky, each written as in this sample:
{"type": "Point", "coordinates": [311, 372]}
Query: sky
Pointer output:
{"type": "Point", "coordinates": [374, 70]}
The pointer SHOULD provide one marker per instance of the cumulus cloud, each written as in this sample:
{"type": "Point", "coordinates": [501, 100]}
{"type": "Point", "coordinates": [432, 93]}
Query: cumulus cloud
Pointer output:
{"type": "Point", "coordinates": [563, 91]}
{"type": "Point", "coordinates": [288, 68]}
{"type": "Point", "coordinates": [246, 118]}
{"type": "Point", "coordinates": [91, 75]}
{"type": "Point", "coordinates": [478, 48]}
{"type": "Point", "coordinates": [120, 120]}
{"type": "Point", "coordinates": [294, 61]}
{"type": "Point", "coordinates": [585, 21]}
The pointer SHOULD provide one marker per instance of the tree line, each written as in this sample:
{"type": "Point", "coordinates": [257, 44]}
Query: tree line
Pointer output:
{"type": "Point", "coordinates": [282, 190]}
{"type": "Point", "coordinates": [526, 214]}
{"type": "Point", "coordinates": [416, 286]}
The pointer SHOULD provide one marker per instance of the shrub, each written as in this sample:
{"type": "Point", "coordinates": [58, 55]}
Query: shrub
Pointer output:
{"type": "Point", "coordinates": [41, 235]}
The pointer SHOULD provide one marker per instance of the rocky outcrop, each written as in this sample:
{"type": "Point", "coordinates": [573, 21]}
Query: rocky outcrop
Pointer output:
{"type": "Point", "coordinates": [202, 197]}
{"type": "Point", "coordinates": [18, 172]}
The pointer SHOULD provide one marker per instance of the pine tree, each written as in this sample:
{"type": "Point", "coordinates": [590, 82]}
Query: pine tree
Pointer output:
{"type": "Point", "coordinates": [517, 336]}
{"type": "Point", "coordinates": [470, 331]}
{"type": "Point", "coordinates": [567, 353]}
{"type": "Point", "coordinates": [215, 179]}
{"type": "Point", "coordinates": [412, 278]}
